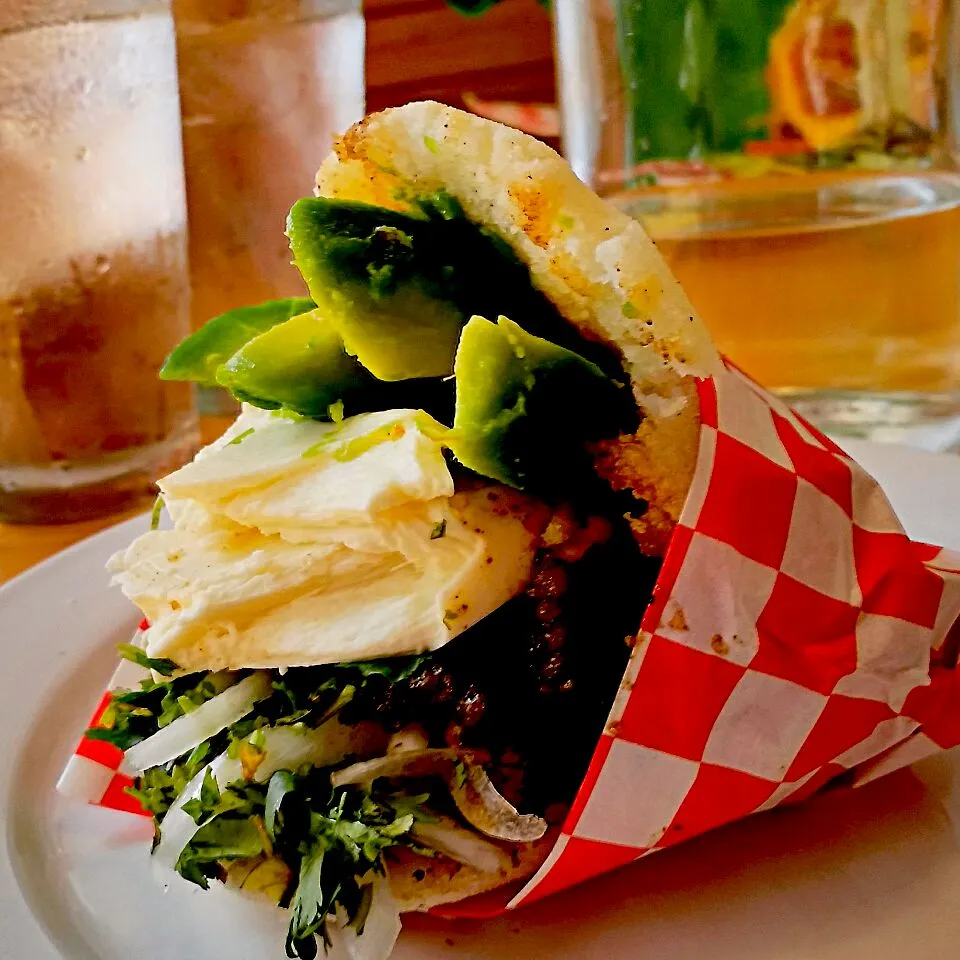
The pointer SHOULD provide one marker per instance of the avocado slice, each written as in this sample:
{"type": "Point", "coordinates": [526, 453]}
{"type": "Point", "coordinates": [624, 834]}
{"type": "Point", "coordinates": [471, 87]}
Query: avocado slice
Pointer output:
{"type": "Point", "coordinates": [400, 286]}
{"type": "Point", "coordinates": [198, 356]}
{"type": "Point", "coordinates": [299, 364]}
{"type": "Point", "coordinates": [380, 276]}
{"type": "Point", "coordinates": [526, 407]}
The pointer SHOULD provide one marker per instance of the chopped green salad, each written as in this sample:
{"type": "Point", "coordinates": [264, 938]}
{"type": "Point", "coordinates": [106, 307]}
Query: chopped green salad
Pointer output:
{"type": "Point", "coordinates": [328, 841]}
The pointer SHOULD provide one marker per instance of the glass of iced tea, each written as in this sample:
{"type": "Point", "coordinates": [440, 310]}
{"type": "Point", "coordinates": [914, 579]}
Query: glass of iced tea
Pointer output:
{"type": "Point", "coordinates": [93, 270]}
{"type": "Point", "coordinates": [794, 160]}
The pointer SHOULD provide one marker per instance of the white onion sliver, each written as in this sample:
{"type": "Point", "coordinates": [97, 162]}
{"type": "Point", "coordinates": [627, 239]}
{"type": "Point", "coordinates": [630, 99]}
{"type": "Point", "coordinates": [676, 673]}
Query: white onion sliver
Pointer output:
{"type": "Point", "coordinates": [193, 728]}
{"type": "Point", "coordinates": [290, 747]}
{"type": "Point", "coordinates": [380, 931]}
{"type": "Point", "coordinates": [409, 763]}
{"type": "Point", "coordinates": [485, 808]}
{"type": "Point", "coordinates": [285, 748]}
{"type": "Point", "coordinates": [448, 837]}
{"type": "Point", "coordinates": [178, 828]}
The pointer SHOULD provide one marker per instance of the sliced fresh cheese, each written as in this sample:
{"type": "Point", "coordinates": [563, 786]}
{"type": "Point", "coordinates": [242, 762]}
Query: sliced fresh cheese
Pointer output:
{"type": "Point", "coordinates": [198, 591]}
{"type": "Point", "coordinates": [304, 543]}
{"type": "Point", "coordinates": [261, 448]}
{"type": "Point", "coordinates": [390, 474]}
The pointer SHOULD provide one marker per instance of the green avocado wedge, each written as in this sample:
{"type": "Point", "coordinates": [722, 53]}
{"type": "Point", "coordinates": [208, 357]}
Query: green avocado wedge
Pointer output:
{"type": "Point", "coordinates": [525, 407]}
{"type": "Point", "coordinates": [399, 287]}
{"type": "Point", "coordinates": [380, 276]}
{"type": "Point", "coordinates": [198, 357]}
{"type": "Point", "coordinates": [299, 364]}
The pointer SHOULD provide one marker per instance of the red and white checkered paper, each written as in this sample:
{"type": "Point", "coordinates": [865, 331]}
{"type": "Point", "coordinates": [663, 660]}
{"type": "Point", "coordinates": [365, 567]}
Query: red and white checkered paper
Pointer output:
{"type": "Point", "coordinates": [795, 634]}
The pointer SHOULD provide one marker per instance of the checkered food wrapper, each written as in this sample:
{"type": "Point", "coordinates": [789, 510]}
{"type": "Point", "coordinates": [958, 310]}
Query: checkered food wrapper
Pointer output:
{"type": "Point", "coordinates": [796, 634]}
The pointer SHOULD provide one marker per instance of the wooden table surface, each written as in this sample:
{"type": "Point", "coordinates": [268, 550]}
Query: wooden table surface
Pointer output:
{"type": "Point", "coordinates": [23, 545]}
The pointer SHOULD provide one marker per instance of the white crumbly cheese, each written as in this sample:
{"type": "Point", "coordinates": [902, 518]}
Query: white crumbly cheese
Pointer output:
{"type": "Point", "coordinates": [297, 543]}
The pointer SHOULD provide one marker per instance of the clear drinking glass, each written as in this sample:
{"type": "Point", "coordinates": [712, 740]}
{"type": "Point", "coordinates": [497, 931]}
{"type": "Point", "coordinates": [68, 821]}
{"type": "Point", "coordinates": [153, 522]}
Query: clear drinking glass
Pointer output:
{"type": "Point", "coordinates": [265, 85]}
{"type": "Point", "coordinates": [794, 161]}
{"type": "Point", "coordinates": [93, 271]}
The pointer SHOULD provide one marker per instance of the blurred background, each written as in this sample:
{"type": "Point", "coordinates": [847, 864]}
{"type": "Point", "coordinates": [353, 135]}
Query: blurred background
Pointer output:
{"type": "Point", "coordinates": [795, 161]}
{"type": "Point", "coordinates": [426, 49]}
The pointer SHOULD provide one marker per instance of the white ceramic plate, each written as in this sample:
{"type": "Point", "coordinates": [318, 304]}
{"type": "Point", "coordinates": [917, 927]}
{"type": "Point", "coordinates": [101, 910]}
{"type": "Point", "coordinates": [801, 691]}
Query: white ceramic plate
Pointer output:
{"type": "Point", "coordinates": [871, 874]}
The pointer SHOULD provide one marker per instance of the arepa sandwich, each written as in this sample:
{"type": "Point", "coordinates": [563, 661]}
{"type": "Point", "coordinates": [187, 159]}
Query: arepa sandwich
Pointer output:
{"type": "Point", "coordinates": [396, 599]}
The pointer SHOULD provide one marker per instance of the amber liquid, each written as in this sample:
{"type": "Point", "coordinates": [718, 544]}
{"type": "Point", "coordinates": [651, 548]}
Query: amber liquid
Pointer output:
{"type": "Point", "coordinates": [827, 282]}
{"type": "Point", "coordinates": [87, 425]}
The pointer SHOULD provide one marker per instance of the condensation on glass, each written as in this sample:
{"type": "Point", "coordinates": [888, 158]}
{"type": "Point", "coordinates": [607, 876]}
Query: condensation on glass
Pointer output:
{"type": "Point", "coordinates": [93, 275]}
{"type": "Point", "coordinates": [265, 85]}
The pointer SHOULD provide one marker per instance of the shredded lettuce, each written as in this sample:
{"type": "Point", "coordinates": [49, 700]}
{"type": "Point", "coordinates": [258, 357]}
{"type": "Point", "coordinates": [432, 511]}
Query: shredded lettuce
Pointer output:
{"type": "Point", "coordinates": [281, 783]}
{"type": "Point", "coordinates": [157, 788]}
{"type": "Point", "coordinates": [331, 841]}
{"type": "Point", "coordinates": [134, 654]}
{"type": "Point", "coordinates": [225, 838]}
{"type": "Point", "coordinates": [308, 910]}
{"type": "Point", "coordinates": [393, 668]}
{"type": "Point", "coordinates": [308, 695]}
{"type": "Point", "coordinates": [135, 715]}
{"type": "Point", "coordinates": [344, 847]}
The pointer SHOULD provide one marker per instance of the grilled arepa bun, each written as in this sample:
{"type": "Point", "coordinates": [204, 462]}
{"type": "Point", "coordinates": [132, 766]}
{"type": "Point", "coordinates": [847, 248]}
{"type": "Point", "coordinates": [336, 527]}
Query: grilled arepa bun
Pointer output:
{"type": "Point", "coordinates": [603, 274]}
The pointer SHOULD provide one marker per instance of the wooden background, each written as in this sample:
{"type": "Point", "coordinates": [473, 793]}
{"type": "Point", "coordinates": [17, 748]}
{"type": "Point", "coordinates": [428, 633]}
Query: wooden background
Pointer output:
{"type": "Point", "coordinates": [422, 49]}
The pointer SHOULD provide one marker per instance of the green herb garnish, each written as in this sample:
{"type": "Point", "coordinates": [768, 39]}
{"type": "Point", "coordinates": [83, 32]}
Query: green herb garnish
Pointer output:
{"type": "Point", "coordinates": [240, 437]}
{"type": "Point", "coordinates": [135, 655]}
